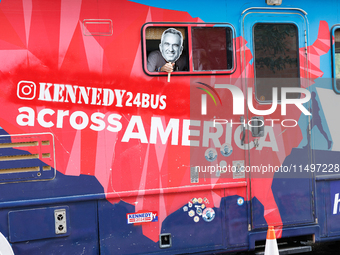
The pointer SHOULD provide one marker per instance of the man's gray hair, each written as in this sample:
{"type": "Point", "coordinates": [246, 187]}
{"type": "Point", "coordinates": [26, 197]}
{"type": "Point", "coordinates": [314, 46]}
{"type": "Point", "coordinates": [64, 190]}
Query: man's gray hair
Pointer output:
{"type": "Point", "coordinates": [173, 31]}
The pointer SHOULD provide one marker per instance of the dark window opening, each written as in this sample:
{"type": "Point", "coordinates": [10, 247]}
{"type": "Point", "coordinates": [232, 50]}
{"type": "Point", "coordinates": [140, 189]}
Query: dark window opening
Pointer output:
{"type": "Point", "coordinates": [212, 48]}
{"type": "Point", "coordinates": [276, 51]}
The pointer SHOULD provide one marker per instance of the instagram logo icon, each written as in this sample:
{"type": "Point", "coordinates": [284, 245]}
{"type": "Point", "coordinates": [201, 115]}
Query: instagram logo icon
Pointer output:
{"type": "Point", "coordinates": [26, 90]}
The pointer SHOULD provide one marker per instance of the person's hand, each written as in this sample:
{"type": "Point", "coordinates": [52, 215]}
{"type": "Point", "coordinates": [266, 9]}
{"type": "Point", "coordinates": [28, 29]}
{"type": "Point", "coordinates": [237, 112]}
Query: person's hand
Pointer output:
{"type": "Point", "coordinates": [168, 67]}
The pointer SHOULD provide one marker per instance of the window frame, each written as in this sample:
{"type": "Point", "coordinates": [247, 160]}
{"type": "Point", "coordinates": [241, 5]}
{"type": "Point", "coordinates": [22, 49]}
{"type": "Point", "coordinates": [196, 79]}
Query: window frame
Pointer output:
{"type": "Point", "coordinates": [188, 26]}
{"type": "Point", "coordinates": [335, 27]}
{"type": "Point", "coordinates": [254, 58]}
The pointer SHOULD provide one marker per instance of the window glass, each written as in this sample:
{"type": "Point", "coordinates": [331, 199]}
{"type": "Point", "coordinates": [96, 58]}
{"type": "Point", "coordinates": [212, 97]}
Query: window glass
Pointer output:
{"type": "Point", "coordinates": [212, 48]}
{"type": "Point", "coordinates": [276, 59]}
{"type": "Point", "coordinates": [166, 44]}
{"type": "Point", "coordinates": [337, 58]}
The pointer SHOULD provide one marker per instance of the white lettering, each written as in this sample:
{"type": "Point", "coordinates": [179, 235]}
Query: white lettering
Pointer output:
{"type": "Point", "coordinates": [71, 92]}
{"type": "Point", "coordinates": [84, 95]}
{"type": "Point", "coordinates": [214, 136]}
{"type": "Point", "coordinates": [60, 118]}
{"type": "Point", "coordinates": [83, 123]}
{"type": "Point", "coordinates": [295, 123]}
{"type": "Point", "coordinates": [336, 204]}
{"type": "Point", "coordinates": [41, 119]}
{"type": "Point", "coordinates": [119, 95]}
{"type": "Point", "coordinates": [117, 126]}
{"type": "Point", "coordinates": [58, 93]}
{"type": "Point", "coordinates": [187, 132]}
{"type": "Point", "coordinates": [108, 97]}
{"type": "Point", "coordinates": [156, 124]}
{"type": "Point", "coordinates": [163, 103]}
{"type": "Point", "coordinates": [298, 101]}
{"type": "Point", "coordinates": [97, 118]}
{"type": "Point", "coordinates": [262, 112]}
{"type": "Point", "coordinates": [238, 98]}
{"type": "Point", "coordinates": [96, 93]}
{"type": "Point", "coordinates": [44, 93]}
{"type": "Point", "coordinates": [30, 116]}
{"type": "Point", "coordinates": [140, 134]}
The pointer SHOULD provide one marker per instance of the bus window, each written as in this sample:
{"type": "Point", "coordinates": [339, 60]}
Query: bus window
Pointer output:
{"type": "Point", "coordinates": [276, 59]}
{"type": "Point", "coordinates": [157, 49]}
{"type": "Point", "coordinates": [337, 58]}
{"type": "Point", "coordinates": [212, 48]}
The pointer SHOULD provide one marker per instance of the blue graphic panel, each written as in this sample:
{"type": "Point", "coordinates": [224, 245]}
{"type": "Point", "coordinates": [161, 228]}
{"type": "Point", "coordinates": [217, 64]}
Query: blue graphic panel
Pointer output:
{"type": "Point", "coordinates": [83, 229]}
{"type": "Point", "coordinates": [332, 208]}
{"type": "Point", "coordinates": [258, 213]}
{"type": "Point", "coordinates": [293, 191]}
{"type": "Point", "coordinates": [236, 221]}
{"type": "Point", "coordinates": [118, 237]}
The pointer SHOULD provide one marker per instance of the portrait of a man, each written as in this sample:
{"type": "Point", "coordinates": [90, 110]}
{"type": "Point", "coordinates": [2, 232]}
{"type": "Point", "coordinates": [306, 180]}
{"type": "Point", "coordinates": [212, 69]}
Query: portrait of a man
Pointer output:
{"type": "Point", "coordinates": [168, 57]}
